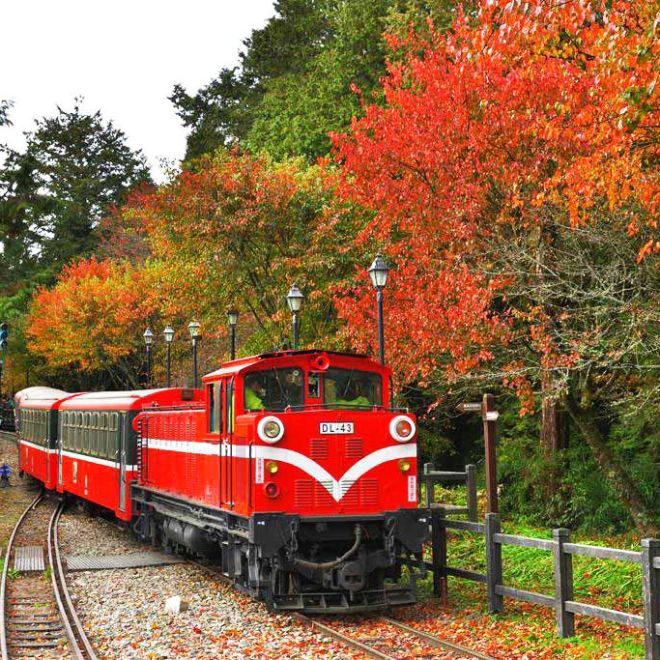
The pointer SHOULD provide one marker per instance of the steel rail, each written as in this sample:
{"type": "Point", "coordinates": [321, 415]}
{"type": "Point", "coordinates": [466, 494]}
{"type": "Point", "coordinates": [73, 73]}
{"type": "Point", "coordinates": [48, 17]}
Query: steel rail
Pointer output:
{"type": "Point", "coordinates": [434, 640]}
{"type": "Point", "coordinates": [5, 571]}
{"type": "Point", "coordinates": [65, 604]}
{"type": "Point", "coordinates": [73, 642]}
{"type": "Point", "coordinates": [328, 631]}
{"type": "Point", "coordinates": [302, 618]}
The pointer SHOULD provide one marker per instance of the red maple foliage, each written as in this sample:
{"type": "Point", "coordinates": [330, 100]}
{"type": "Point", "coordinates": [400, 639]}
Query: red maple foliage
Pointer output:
{"type": "Point", "coordinates": [522, 107]}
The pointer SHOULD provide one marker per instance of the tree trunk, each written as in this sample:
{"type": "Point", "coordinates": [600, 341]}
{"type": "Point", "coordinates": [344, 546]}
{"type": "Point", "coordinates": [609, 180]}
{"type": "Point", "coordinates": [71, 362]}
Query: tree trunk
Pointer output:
{"type": "Point", "coordinates": [619, 479]}
{"type": "Point", "coordinates": [554, 429]}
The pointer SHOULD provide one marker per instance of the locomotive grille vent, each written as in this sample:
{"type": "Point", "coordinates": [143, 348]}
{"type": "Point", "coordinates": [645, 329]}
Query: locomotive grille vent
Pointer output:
{"type": "Point", "coordinates": [322, 497]}
{"type": "Point", "coordinates": [350, 494]}
{"type": "Point", "coordinates": [303, 492]}
{"type": "Point", "coordinates": [316, 493]}
{"type": "Point", "coordinates": [369, 492]}
{"type": "Point", "coordinates": [318, 448]}
{"type": "Point", "coordinates": [354, 448]}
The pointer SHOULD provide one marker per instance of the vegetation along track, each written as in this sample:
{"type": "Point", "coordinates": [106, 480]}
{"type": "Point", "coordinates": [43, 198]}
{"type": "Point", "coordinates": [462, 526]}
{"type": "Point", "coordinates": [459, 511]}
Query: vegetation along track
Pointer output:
{"type": "Point", "coordinates": [37, 619]}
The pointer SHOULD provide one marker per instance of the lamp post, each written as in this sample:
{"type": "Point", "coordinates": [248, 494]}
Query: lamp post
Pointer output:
{"type": "Point", "coordinates": [195, 335]}
{"type": "Point", "coordinates": [378, 273]}
{"type": "Point", "coordinates": [295, 300]}
{"type": "Point", "coordinates": [148, 340]}
{"type": "Point", "coordinates": [168, 333]}
{"type": "Point", "coordinates": [232, 317]}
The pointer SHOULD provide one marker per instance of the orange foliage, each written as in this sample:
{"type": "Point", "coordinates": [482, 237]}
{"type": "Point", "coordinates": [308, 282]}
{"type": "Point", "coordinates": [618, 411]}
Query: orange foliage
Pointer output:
{"type": "Point", "coordinates": [528, 106]}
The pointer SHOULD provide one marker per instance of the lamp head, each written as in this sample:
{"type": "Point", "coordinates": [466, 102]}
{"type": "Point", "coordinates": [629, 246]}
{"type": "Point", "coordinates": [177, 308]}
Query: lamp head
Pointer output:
{"type": "Point", "coordinates": [295, 298]}
{"type": "Point", "coordinates": [148, 337]}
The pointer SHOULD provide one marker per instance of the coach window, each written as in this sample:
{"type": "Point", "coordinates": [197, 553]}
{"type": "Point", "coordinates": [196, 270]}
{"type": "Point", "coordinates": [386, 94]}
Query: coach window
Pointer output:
{"type": "Point", "coordinates": [94, 434]}
{"type": "Point", "coordinates": [113, 445]}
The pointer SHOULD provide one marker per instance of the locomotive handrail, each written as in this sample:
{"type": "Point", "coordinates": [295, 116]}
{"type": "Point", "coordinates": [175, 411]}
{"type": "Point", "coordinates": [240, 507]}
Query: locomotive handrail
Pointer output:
{"type": "Point", "coordinates": [333, 406]}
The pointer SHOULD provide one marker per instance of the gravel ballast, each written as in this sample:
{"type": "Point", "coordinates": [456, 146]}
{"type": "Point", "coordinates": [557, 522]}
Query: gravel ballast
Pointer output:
{"type": "Point", "coordinates": [124, 612]}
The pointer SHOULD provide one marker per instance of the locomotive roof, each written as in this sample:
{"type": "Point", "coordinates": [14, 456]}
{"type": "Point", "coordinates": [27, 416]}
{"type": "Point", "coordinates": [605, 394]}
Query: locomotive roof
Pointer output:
{"type": "Point", "coordinates": [236, 366]}
{"type": "Point", "coordinates": [131, 400]}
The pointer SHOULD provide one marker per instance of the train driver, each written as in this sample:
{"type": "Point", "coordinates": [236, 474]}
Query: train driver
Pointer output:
{"type": "Point", "coordinates": [254, 393]}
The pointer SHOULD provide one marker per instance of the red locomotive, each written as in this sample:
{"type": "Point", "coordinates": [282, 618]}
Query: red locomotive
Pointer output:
{"type": "Point", "coordinates": [291, 469]}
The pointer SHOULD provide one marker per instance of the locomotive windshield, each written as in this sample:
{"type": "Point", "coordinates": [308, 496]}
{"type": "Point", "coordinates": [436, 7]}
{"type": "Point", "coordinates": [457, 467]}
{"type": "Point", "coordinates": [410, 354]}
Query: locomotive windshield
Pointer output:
{"type": "Point", "coordinates": [274, 389]}
{"type": "Point", "coordinates": [349, 387]}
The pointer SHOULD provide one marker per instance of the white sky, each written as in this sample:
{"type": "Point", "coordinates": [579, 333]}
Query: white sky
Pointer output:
{"type": "Point", "coordinates": [123, 56]}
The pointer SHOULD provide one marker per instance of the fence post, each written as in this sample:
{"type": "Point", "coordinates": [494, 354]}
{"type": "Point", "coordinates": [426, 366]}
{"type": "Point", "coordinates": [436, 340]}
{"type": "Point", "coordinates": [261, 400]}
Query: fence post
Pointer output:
{"type": "Point", "coordinates": [471, 485]}
{"type": "Point", "coordinates": [493, 563]}
{"type": "Point", "coordinates": [563, 583]}
{"type": "Point", "coordinates": [651, 593]}
{"type": "Point", "coordinates": [439, 555]}
{"type": "Point", "coordinates": [429, 495]}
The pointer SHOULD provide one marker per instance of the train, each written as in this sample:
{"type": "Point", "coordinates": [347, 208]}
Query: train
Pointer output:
{"type": "Point", "coordinates": [291, 470]}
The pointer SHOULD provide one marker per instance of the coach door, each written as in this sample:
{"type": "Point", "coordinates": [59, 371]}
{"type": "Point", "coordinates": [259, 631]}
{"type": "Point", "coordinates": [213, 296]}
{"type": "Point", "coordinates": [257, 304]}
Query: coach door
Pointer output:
{"type": "Point", "coordinates": [64, 417]}
{"type": "Point", "coordinates": [227, 446]}
{"type": "Point", "coordinates": [124, 433]}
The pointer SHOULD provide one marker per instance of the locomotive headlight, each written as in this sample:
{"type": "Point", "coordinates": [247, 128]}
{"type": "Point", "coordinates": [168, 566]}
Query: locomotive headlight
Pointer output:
{"type": "Point", "coordinates": [402, 428]}
{"type": "Point", "coordinates": [270, 429]}
{"type": "Point", "coordinates": [405, 465]}
{"type": "Point", "coordinates": [272, 467]}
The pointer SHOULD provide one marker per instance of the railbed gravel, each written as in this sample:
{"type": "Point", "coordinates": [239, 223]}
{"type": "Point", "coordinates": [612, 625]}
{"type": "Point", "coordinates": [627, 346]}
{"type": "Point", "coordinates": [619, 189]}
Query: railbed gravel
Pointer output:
{"type": "Point", "coordinates": [123, 611]}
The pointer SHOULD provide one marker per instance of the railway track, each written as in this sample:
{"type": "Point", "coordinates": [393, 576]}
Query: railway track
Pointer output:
{"type": "Point", "coordinates": [37, 616]}
{"type": "Point", "coordinates": [393, 639]}
{"type": "Point", "coordinates": [380, 647]}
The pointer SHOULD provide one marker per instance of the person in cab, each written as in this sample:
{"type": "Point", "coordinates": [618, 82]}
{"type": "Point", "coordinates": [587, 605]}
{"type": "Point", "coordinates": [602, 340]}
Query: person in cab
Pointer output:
{"type": "Point", "coordinates": [254, 393]}
{"type": "Point", "coordinates": [354, 397]}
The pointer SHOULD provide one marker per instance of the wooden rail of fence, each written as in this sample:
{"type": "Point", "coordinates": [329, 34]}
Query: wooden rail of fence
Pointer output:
{"type": "Point", "coordinates": [563, 599]}
{"type": "Point", "coordinates": [430, 477]}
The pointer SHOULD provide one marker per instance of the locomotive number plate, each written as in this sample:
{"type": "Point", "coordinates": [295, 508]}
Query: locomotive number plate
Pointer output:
{"type": "Point", "coordinates": [335, 428]}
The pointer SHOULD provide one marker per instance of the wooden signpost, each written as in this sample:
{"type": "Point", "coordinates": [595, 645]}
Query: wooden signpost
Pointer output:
{"type": "Point", "coordinates": [489, 416]}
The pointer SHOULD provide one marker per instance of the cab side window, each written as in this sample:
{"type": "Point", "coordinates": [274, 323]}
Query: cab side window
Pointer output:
{"type": "Point", "coordinates": [229, 406]}
{"type": "Point", "coordinates": [215, 407]}
{"type": "Point", "coordinates": [213, 410]}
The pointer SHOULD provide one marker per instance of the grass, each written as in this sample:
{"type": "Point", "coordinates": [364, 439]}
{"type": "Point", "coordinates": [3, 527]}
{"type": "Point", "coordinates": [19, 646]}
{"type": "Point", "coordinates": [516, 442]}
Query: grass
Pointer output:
{"type": "Point", "coordinates": [608, 583]}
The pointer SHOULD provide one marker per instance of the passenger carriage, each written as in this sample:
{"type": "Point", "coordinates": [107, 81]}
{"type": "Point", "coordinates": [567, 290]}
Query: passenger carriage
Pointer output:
{"type": "Point", "coordinates": [37, 419]}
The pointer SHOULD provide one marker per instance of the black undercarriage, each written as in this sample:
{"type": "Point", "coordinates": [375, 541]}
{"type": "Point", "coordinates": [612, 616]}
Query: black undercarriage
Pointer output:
{"type": "Point", "coordinates": [310, 564]}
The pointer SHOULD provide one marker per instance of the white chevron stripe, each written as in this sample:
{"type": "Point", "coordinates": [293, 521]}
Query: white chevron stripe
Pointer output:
{"type": "Point", "coordinates": [336, 488]}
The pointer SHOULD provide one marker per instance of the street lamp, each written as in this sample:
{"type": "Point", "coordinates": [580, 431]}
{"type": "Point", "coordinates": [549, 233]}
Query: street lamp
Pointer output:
{"type": "Point", "coordinates": [378, 273]}
{"type": "Point", "coordinates": [195, 335]}
{"type": "Point", "coordinates": [148, 340]}
{"type": "Point", "coordinates": [232, 317]}
{"type": "Point", "coordinates": [168, 333]}
{"type": "Point", "coordinates": [295, 300]}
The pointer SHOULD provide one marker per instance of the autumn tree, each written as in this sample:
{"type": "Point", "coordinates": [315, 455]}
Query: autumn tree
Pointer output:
{"type": "Point", "coordinates": [235, 231]}
{"type": "Point", "coordinates": [91, 322]}
{"type": "Point", "coordinates": [516, 130]}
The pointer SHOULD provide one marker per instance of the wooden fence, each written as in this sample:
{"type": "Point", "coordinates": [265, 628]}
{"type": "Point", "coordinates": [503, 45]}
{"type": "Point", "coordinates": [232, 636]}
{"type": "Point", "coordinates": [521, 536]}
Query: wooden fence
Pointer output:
{"type": "Point", "coordinates": [562, 550]}
{"type": "Point", "coordinates": [468, 476]}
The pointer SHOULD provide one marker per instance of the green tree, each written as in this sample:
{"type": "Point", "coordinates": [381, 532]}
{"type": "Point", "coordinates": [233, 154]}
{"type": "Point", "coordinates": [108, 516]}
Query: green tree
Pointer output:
{"type": "Point", "coordinates": [75, 167]}
{"type": "Point", "coordinates": [221, 113]}
{"type": "Point", "coordinates": [301, 107]}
